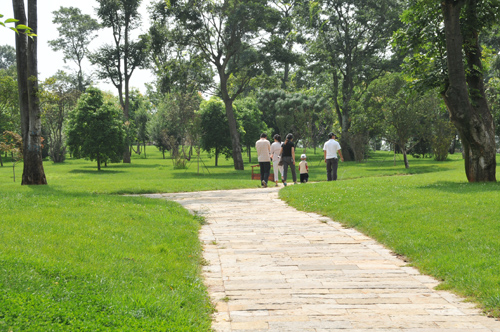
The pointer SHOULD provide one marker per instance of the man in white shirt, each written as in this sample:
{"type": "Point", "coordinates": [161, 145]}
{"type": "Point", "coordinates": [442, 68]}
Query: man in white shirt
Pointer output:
{"type": "Point", "coordinates": [331, 148]}
{"type": "Point", "coordinates": [263, 148]}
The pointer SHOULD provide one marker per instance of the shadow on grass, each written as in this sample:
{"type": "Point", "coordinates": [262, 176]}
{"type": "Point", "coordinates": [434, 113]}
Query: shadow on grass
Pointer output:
{"type": "Point", "coordinates": [47, 191]}
{"type": "Point", "coordinates": [412, 170]}
{"type": "Point", "coordinates": [103, 171]}
{"type": "Point", "coordinates": [463, 187]}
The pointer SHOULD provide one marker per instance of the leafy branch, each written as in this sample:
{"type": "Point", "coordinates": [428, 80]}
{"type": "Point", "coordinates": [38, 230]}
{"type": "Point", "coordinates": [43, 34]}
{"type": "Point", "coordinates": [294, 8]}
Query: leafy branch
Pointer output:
{"type": "Point", "coordinates": [24, 28]}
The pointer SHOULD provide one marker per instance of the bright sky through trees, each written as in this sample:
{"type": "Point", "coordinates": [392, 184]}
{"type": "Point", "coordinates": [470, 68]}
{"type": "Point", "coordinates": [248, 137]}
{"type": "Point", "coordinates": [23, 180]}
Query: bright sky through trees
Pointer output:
{"type": "Point", "coordinates": [49, 61]}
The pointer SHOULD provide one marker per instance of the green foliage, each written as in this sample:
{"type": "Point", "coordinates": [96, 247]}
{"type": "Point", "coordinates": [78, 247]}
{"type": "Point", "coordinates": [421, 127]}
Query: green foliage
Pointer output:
{"type": "Point", "coordinates": [18, 27]}
{"type": "Point", "coordinates": [215, 136]}
{"type": "Point", "coordinates": [95, 130]}
{"type": "Point", "coordinates": [442, 131]}
{"type": "Point", "coordinates": [249, 118]}
{"type": "Point", "coordinates": [76, 31]}
{"type": "Point", "coordinates": [58, 95]}
{"type": "Point", "coordinates": [157, 129]}
{"type": "Point", "coordinates": [306, 115]}
{"type": "Point", "coordinates": [9, 103]}
{"type": "Point", "coordinates": [178, 69]}
{"type": "Point", "coordinates": [400, 113]}
{"type": "Point", "coordinates": [117, 62]}
{"type": "Point", "coordinates": [7, 56]}
{"type": "Point", "coordinates": [493, 93]}
{"type": "Point", "coordinates": [286, 34]}
{"type": "Point", "coordinates": [422, 42]}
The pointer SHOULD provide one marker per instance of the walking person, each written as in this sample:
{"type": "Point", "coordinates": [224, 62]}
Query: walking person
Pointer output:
{"type": "Point", "coordinates": [263, 148]}
{"type": "Point", "coordinates": [331, 149]}
{"type": "Point", "coordinates": [275, 155]}
{"type": "Point", "coordinates": [288, 156]}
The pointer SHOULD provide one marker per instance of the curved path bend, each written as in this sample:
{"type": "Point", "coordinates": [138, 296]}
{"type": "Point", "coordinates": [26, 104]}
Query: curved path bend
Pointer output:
{"type": "Point", "coordinates": [273, 268]}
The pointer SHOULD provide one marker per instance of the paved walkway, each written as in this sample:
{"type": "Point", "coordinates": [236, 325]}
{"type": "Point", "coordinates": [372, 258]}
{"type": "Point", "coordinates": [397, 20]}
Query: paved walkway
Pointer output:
{"type": "Point", "coordinates": [273, 268]}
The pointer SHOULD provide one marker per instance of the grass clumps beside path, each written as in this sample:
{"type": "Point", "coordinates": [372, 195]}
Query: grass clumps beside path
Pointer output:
{"type": "Point", "coordinates": [445, 227]}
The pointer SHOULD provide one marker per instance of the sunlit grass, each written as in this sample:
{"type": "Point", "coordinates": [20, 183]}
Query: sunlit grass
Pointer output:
{"type": "Point", "coordinates": [77, 254]}
{"type": "Point", "coordinates": [445, 226]}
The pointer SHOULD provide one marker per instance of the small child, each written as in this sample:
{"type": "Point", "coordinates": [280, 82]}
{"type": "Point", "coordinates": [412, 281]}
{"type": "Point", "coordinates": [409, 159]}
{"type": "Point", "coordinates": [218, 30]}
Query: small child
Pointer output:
{"type": "Point", "coordinates": [303, 169]}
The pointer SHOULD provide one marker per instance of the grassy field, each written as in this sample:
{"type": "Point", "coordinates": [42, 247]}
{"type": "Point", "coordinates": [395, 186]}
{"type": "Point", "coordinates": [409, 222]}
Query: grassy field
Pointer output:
{"type": "Point", "coordinates": [444, 226]}
{"type": "Point", "coordinates": [77, 254]}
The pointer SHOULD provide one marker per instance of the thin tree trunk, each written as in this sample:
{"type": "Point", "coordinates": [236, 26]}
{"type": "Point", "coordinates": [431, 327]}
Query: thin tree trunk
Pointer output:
{"type": "Point", "coordinates": [405, 158]}
{"type": "Point", "coordinates": [471, 117]}
{"type": "Point", "coordinates": [233, 129]}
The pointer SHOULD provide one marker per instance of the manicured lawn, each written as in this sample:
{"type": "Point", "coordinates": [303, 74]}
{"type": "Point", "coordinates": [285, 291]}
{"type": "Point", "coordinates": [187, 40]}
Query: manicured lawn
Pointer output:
{"type": "Point", "coordinates": [77, 254]}
{"type": "Point", "coordinates": [445, 227]}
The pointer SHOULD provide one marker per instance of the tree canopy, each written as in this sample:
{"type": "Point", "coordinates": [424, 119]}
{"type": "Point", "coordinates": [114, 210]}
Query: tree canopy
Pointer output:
{"type": "Point", "coordinates": [95, 130]}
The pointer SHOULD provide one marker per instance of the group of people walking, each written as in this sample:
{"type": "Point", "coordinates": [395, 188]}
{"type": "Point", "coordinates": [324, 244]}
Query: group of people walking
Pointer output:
{"type": "Point", "coordinates": [282, 154]}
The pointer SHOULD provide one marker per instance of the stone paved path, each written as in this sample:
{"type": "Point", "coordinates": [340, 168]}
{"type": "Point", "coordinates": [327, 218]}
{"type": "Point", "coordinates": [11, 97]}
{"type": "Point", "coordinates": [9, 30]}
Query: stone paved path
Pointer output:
{"type": "Point", "coordinates": [273, 268]}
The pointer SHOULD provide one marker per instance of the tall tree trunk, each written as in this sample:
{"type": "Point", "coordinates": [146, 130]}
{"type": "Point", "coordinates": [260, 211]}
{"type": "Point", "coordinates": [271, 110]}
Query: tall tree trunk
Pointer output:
{"type": "Point", "coordinates": [33, 172]}
{"type": "Point", "coordinates": [231, 119]}
{"type": "Point", "coordinates": [469, 111]}
{"type": "Point", "coordinates": [22, 70]}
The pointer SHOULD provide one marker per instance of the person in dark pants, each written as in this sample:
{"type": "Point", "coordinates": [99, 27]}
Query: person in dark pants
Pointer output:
{"type": "Point", "coordinates": [263, 148]}
{"type": "Point", "coordinates": [331, 149]}
{"type": "Point", "coordinates": [288, 156]}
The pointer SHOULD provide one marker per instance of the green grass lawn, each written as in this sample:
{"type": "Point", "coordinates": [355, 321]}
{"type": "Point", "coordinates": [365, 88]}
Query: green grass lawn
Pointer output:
{"type": "Point", "coordinates": [76, 254]}
{"type": "Point", "coordinates": [446, 227]}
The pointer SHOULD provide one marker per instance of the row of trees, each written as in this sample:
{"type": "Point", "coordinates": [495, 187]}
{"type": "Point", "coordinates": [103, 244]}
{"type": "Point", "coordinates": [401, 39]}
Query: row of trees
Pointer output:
{"type": "Point", "coordinates": [366, 69]}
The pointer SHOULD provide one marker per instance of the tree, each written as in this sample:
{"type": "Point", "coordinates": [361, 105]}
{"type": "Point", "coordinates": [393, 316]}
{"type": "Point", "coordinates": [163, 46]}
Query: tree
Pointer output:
{"type": "Point", "coordinates": [179, 67]}
{"type": "Point", "coordinates": [95, 130]}
{"type": "Point", "coordinates": [76, 31]}
{"type": "Point", "coordinates": [214, 128]}
{"type": "Point", "coordinates": [249, 118]}
{"type": "Point", "coordinates": [7, 56]}
{"type": "Point", "coordinates": [351, 40]}
{"type": "Point", "coordinates": [284, 35]}
{"type": "Point", "coordinates": [27, 78]}
{"type": "Point", "coordinates": [58, 96]}
{"type": "Point", "coordinates": [456, 68]}
{"type": "Point", "coordinates": [400, 111]}
{"type": "Point", "coordinates": [157, 130]}
{"type": "Point", "coordinates": [304, 114]}
{"type": "Point", "coordinates": [12, 143]}
{"type": "Point", "coordinates": [9, 103]}
{"type": "Point", "coordinates": [140, 114]}
{"type": "Point", "coordinates": [225, 34]}
{"type": "Point", "coordinates": [117, 62]}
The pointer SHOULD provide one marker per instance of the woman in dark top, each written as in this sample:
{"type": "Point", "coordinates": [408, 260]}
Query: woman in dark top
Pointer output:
{"type": "Point", "coordinates": [288, 157]}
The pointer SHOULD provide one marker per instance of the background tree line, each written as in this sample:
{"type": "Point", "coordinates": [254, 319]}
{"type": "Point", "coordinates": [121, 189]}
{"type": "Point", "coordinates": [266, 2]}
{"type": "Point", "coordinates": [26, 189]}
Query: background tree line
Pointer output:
{"type": "Point", "coordinates": [371, 71]}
